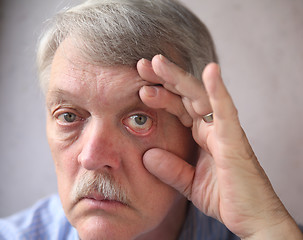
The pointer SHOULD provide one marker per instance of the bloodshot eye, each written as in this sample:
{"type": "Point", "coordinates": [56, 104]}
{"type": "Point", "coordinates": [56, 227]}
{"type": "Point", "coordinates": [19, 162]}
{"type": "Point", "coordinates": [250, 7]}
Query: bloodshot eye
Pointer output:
{"type": "Point", "coordinates": [138, 123]}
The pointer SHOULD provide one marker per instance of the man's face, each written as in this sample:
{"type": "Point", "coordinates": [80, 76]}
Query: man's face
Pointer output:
{"type": "Point", "coordinates": [98, 130]}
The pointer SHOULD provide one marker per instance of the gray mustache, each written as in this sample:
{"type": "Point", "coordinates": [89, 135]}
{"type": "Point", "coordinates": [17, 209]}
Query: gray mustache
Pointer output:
{"type": "Point", "coordinates": [101, 183]}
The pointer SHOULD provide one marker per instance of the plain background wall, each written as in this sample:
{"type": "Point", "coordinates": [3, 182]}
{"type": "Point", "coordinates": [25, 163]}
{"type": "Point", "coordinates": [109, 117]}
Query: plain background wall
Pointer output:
{"type": "Point", "coordinates": [260, 45]}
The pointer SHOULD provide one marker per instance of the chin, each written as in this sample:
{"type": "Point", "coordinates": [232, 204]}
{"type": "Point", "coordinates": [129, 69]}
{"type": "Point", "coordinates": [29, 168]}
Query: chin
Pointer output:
{"type": "Point", "coordinates": [96, 228]}
{"type": "Point", "coordinates": [106, 228]}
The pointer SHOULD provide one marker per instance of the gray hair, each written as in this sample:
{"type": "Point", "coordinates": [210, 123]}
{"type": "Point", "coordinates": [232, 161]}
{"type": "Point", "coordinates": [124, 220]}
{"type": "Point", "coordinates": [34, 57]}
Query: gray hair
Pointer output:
{"type": "Point", "coordinates": [121, 32]}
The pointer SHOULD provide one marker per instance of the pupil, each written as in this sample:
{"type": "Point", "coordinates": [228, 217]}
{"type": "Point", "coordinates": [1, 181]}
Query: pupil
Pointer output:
{"type": "Point", "coordinates": [140, 120]}
{"type": "Point", "coordinates": [69, 117]}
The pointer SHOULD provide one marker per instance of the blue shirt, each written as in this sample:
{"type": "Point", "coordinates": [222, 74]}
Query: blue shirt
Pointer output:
{"type": "Point", "coordinates": [46, 221]}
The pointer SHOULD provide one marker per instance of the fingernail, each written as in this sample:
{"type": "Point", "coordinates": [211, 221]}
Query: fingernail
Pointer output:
{"type": "Point", "coordinates": [150, 91]}
{"type": "Point", "coordinates": [163, 59]}
{"type": "Point", "coordinates": [145, 62]}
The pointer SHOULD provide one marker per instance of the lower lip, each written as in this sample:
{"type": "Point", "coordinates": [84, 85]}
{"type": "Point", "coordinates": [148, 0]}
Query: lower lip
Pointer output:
{"type": "Point", "coordinates": [102, 204]}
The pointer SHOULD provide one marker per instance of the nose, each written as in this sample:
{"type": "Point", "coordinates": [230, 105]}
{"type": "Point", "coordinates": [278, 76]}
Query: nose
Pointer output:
{"type": "Point", "coordinates": [100, 146]}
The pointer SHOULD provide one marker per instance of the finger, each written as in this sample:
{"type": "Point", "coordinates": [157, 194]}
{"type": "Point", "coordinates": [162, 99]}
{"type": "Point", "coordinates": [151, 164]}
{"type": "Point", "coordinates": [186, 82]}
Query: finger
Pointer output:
{"type": "Point", "coordinates": [170, 169]}
{"type": "Point", "coordinates": [159, 98]}
{"type": "Point", "coordinates": [147, 73]}
{"type": "Point", "coordinates": [180, 82]}
{"type": "Point", "coordinates": [225, 113]}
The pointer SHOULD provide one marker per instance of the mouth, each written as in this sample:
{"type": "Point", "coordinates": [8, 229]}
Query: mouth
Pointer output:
{"type": "Point", "coordinates": [99, 191]}
{"type": "Point", "coordinates": [98, 201]}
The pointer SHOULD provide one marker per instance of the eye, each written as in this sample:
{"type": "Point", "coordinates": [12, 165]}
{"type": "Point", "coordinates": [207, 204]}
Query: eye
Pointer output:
{"type": "Point", "coordinates": [67, 117]}
{"type": "Point", "coordinates": [138, 123]}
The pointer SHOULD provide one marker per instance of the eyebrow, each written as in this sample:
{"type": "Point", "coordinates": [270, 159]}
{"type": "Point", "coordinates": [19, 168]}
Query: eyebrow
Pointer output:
{"type": "Point", "coordinates": [60, 96]}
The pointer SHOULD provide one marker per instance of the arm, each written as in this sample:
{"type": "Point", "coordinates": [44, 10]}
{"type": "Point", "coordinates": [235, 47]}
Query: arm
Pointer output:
{"type": "Point", "coordinates": [227, 182]}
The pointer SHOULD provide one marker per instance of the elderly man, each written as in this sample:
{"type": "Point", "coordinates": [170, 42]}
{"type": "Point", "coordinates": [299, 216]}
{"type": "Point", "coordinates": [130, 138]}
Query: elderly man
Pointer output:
{"type": "Point", "coordinates": [142, 148]}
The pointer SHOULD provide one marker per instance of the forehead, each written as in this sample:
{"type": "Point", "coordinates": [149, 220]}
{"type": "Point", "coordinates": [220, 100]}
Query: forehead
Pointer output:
{"type": "Point", "coordinates": [72, 75]}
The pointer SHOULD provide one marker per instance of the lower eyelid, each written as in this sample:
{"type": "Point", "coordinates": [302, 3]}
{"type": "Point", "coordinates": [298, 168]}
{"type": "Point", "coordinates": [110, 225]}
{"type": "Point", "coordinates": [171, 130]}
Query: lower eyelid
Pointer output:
{"type": "Point", "coordinates": [143, 132]}
{"type": "Point", "coordinates": [140, 134]}
{"type": "Point", "coordinates": [66, 123]}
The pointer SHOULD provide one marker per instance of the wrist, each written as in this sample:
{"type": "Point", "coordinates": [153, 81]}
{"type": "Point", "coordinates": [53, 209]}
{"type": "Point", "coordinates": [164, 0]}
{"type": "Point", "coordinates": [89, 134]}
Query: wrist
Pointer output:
{"type": "Point", "coordinates": [286, 230]}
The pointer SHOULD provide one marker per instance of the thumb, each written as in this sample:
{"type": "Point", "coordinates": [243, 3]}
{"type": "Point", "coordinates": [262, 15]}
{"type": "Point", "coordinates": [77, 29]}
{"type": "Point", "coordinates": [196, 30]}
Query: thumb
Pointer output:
{"type": "Point", "coordinates": [170, 169]}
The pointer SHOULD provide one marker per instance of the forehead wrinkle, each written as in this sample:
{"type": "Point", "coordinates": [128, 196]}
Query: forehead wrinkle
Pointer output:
{"type": "Point", "coordinates": [116, 86]}
{"type": "Point", "coordinates": [61, 96]}
{"type": "Point", "coordinates": [94, 83]}
{"type": "Point", "coordinates": [102, 88]}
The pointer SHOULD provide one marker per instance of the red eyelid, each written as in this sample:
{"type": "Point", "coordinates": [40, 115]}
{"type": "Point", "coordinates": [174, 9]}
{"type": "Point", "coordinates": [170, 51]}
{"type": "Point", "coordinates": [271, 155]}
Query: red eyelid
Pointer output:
{"type": "Point", "coordinates": [143, 132]}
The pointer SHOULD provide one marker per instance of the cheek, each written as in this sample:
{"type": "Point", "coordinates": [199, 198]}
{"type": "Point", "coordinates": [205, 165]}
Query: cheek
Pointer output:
{"type": "Point", "coordinates": [163, 204]}
{"type": "Point", "coordinates": [176, 138]}
{"type": "Point", "coordinates": [66, 170]}
{"type": "Point", "coordinates": [65, 160]}
{"type": "Point", "coordinates": [153, 198]}
{"type": "Point", "coordinates": [63, 153]}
